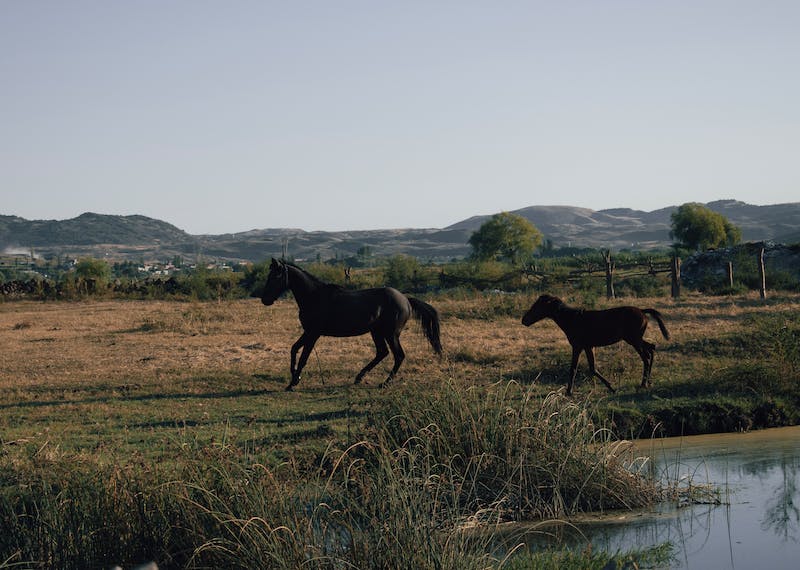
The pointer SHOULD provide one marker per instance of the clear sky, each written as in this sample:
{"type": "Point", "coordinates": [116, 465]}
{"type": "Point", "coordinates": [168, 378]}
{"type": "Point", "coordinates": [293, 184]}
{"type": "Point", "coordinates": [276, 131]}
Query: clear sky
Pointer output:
{"type": "Point", "coordinates": [225, 116]}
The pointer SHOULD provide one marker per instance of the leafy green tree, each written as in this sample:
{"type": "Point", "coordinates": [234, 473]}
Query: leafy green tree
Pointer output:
{"type": "Point", "coordinates": [505, 236]}
{"type": "Point", "coordinates": [401, 271]}
{"type": "Point", "coordinates": [696, 227]}
{"type": "Point", "coordinates": [96, 269]}
{"type": "Point", "coordinates": [128, 269]}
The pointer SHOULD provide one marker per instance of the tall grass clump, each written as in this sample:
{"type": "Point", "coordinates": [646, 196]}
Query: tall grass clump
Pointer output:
{"type": "Point", "coordinates": [67, 513]}
{"type": "Point", "coordinates": [428, 472]}
{"type": "Point", "coordinates": [374, 508]}
{"type": "Point", "coordinates": [508, 454]}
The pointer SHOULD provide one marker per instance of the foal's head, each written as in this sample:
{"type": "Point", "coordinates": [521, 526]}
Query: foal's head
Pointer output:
{"type": "Point", "coordinates": [544, 307]}
{"type": "Point", "coordinates": [277, 282]}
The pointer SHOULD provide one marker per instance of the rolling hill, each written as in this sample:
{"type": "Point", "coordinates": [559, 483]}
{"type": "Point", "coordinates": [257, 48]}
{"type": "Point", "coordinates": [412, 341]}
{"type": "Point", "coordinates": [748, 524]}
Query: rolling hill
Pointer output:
{"type": "Point", "coordinates": [143, 238]}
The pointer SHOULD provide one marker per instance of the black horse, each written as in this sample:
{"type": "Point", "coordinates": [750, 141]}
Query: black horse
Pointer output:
{"type": "Point", "coordinates": [329, 310]}
{"type": "Point", "coordinates": [588, 329]}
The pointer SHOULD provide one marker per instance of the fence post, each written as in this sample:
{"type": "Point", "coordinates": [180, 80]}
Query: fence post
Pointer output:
{"type": "Point", "coordinates": [609, 273]}
{"type": "Point", "coordinates": [762, 274]}
{"type": "Point", "coordinates": [730, 274]}
{"type": "Point", "coordinates": [676, 277]}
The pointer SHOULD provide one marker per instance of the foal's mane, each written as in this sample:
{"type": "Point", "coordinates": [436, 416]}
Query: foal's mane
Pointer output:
{"type": "Point", "coordinates": [562, 307]}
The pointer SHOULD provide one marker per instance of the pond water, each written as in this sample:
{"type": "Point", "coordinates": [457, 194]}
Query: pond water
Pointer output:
{"type": "Point", "coordinates": [758, 524]}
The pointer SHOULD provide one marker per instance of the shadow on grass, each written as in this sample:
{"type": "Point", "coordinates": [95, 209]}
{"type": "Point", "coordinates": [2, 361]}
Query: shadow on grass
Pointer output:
{"type": "Point", "coordinates": [291, 418]}
{"type": "Point", "coordinates": [127, 397]}
{"type": "Point", "coordinates": [557, 376]}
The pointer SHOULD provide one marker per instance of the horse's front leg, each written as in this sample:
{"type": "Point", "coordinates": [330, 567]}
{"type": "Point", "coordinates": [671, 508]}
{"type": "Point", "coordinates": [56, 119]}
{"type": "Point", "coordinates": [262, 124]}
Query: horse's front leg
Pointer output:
{"type": "Point", "coordinates": [295, 347]}
{"type": "Point", "coordinates": [573, 371]}
{"type": "Point", "coordinates": [307, 341]}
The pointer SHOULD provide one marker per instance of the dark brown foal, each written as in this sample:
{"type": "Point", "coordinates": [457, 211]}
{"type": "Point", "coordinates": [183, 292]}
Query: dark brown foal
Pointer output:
{"type": "Point", "coordinates": [588, 329]}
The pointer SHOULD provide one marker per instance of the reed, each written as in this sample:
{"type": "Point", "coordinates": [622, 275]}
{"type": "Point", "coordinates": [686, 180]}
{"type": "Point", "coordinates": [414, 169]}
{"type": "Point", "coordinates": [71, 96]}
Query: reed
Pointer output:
{"type": "Point", "coordinates": [430, 471]}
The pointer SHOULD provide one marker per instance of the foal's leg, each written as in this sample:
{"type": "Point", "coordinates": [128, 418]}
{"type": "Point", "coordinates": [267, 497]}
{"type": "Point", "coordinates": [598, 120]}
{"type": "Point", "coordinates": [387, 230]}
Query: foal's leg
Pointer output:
{"type": "Point", "coordinates": [380, 353]}
{"type": "Point", "coordinates": [650, 352]}
{"type": "Point", "coordinates": [646, 352]}
{"type": "Point", "coordinates": [398, 353]}
{"type": "Point", "coordinates": [307, 341]}
{"type": "Point", "coordinates": [593, 369]}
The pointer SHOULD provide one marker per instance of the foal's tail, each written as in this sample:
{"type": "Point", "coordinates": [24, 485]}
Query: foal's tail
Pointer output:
{"type": "Point", "coordinates": [429, 319]}
{"type": "Point", "coordinates": [657, 316]}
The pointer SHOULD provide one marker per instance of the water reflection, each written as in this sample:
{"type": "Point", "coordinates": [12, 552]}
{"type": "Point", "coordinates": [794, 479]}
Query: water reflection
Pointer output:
{"type": "Point", "coordinates": [758, 524]}
{"type": "Point", "coordinates": [782, 514]}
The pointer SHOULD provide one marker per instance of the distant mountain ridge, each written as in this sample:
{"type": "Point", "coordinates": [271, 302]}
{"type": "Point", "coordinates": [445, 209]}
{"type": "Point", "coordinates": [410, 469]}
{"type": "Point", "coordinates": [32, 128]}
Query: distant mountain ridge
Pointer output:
{"type": "Point", "coordinates": [88, 229]}
{"type": "Point", "coordinates": [139, 237]}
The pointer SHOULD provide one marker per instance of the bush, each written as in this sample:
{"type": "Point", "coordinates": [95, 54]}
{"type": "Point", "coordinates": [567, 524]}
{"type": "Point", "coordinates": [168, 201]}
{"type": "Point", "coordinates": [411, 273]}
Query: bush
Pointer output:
{"type": "Point", "coordinates": [402, 272]}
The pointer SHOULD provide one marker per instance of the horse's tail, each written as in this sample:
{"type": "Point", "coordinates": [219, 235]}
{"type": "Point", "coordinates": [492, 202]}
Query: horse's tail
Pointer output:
{"type": "Point", "coordinates": [429, 319]}
{"type": "Point", "coordinates": [657, 316]}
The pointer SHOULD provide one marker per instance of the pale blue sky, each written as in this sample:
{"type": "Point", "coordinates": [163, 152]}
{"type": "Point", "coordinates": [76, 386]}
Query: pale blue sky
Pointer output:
{"type": "Point", "coordinates": [226, 116]}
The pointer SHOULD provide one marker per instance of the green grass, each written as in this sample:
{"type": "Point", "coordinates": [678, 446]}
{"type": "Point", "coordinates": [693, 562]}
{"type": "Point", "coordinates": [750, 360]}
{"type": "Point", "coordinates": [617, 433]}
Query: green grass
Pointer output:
{"type": "Point", "coordinates": [109, 424]}
{"type": "Point", "coordinates": [587, 560]}
{"type": "Point", "coordinates": [751, 381]}
{"type": "Point", "coordinates": [404, 492]}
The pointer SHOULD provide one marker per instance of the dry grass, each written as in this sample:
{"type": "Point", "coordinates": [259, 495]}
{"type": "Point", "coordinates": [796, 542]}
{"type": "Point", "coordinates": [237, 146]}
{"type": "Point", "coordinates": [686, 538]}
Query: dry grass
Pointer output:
{"type": "Point", "coordinates": [139, 374]}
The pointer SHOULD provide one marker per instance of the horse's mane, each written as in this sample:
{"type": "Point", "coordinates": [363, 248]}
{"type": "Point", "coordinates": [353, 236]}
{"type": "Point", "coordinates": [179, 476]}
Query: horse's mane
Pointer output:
{"type": "Point", "coordinates": [313, 278]}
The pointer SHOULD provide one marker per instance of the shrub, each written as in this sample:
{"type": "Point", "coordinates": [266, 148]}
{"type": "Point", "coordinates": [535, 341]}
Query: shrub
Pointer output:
{"type": "Point", "coordinates": [401, 272]}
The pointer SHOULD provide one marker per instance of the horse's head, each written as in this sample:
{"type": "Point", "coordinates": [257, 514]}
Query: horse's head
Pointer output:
{"type": "Point", "coordinates": [277, 282]}
{"type": "Point", "coordinates": [544, 307]}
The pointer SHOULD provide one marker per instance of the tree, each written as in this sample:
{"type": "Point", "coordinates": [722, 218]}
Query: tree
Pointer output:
{"type": "Point", "coordinates": [505, 236]}
{"type": "Point", "coordinates": [401, 271]}
{"type": "Point", "coordinates": [697, 227]}
{"type": "Point", "coordinates": [96, 269]}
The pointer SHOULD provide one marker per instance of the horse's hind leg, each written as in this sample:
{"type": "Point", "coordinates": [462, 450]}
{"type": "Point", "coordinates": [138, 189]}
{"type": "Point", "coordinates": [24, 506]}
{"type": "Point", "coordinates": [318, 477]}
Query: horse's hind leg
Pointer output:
{"type": "Point", "coordinates": [593, 370]}
{"type": "Point", "coordinates": [399, 355]}
{"type": "Point", "coordinates": [380, 353]}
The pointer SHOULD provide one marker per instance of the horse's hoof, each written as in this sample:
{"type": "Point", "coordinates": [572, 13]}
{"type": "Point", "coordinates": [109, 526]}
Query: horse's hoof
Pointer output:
{"type": "Point", "coordinates": [289, 388]}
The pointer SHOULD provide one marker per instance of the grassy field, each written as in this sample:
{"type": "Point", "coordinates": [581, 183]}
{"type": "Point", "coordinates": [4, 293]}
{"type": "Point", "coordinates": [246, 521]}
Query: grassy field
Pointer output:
{"type": "Point", "coordinates": [137, 377]}
{"type": "Point", "coordinates": [101, 397]}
